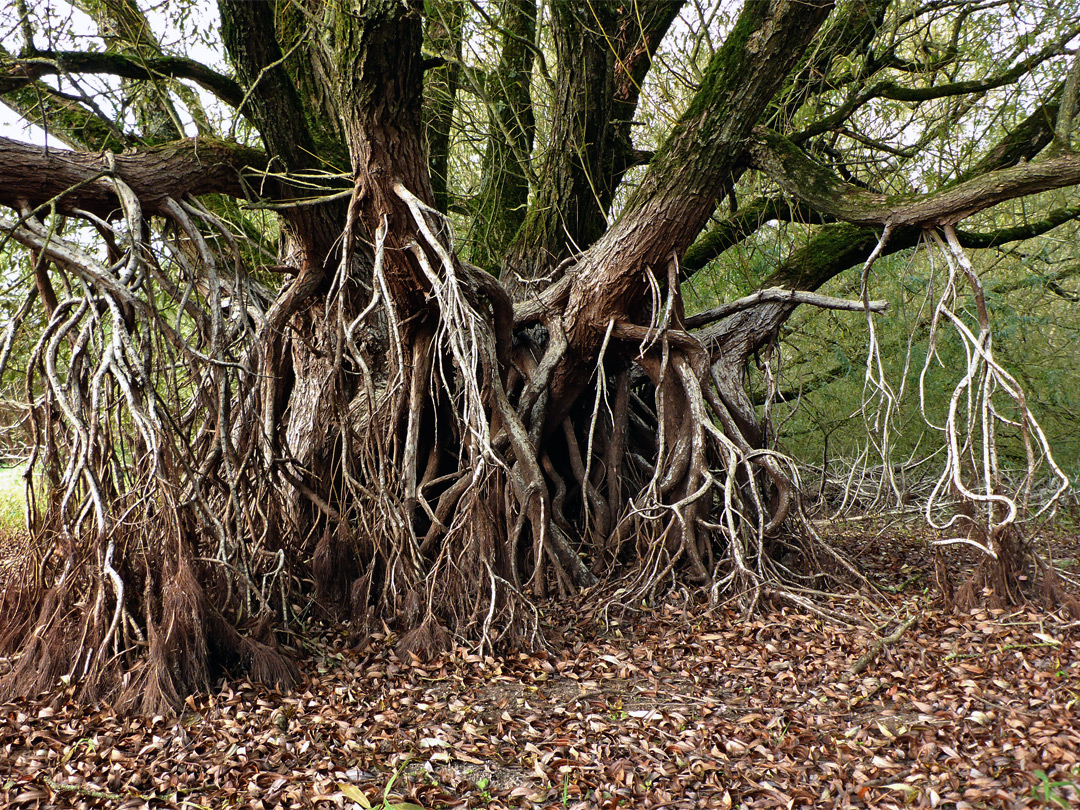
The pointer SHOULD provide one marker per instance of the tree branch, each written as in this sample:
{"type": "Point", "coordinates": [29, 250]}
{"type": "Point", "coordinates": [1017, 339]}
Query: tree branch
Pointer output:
{"type": "Point", "coordinates": [697, 163]}
{"type": "Point", "coordinates": [18, 72]}
{"type": "Point", "coordinates": [888, 89]}
{"type": "Point", "coordinates": [272, 101]}
{"type": "Point", "coordinates": [35, 175]}
{"type": "Point", "coordinates": [740, 224]}
{"type": "Point", "coordinates": [808, 180]}
{"type": "Point", "coordinates": [778, 295]}
{"type": "Point", "coordinates": [880, 644]}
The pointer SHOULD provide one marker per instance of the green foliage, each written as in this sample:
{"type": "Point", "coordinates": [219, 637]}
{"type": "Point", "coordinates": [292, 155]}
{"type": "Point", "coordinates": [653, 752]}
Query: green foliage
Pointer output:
{"type": "Point", "coordinates": [12, 498]}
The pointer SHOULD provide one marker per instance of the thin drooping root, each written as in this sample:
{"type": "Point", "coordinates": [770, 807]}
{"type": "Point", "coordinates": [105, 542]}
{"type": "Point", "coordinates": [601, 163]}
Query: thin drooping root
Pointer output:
{"type": "Point", "coordinates": [435, 450]}
{"type": "Point", "coordinates": [463, 501]}
{"type": "Point", "coordinates": [711, 506]}
{"type": "Point", "coordinates": [992, 512]}
{"type": "Point", "coordinates": [151, 545]}
{"type": "Point", "coordinates": [414, 460]}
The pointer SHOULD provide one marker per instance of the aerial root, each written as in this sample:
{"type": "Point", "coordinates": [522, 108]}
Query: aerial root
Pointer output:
{"type": "Point", "coordinates": [992, 510]}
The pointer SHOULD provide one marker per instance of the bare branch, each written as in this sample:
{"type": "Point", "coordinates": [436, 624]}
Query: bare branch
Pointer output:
{"type": "Point", "coordinates": [18, 72]}
{"type": "Point", "coordinates": [778, 295]}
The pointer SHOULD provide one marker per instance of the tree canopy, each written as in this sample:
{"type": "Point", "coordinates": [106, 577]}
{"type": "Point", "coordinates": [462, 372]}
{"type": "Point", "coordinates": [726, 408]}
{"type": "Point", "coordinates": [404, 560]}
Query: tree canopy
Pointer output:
{"type": "Point", "coordinates": [432, 313]}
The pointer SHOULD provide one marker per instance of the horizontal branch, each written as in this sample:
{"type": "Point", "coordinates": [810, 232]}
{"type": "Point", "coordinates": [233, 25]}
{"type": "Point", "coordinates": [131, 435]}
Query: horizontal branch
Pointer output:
{"type": "Point", "coordinates": [897, 92]}
{"type": "Point", "coordinates": [808, 180]}
{"type": "Point", "coordinates": [18, 72]}
{"type": "Point", "coordinates": [1022, 143]}
{"type": "Point", "coordinates": [834, 248]}
{"type": "Point", "coordinates": [831, 250]}
{"type": "Point", "coordinates": [36, 175]}
{"type": "Point", "coordinates": [777, 295]}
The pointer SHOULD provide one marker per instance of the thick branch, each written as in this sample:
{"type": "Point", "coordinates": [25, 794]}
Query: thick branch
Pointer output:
{"type": "Point", "coordinates": [1023, 142]}
{"type": "Point", "coordinates": [272, 102]}
{"type": "Point", "coordinates": [500, 206]}
{"type": "Point", "coordinates": [605, 50]}
{"type": "Point", "coordinates": [567, 208]}
{"type": "Point", "coordinates": [695, 166]}
{"type": "Point", "coordinates": [442, 34]}
{"type": "Point", "coordinates": [741, 224]}
{"type": "Point", "coordinates": [808, 180]}
{"type": "Point", "coordinates": [16, 73]}
{"type": "Point", "coordinates": [831, 251]}
{"type": "Point", "coordinates": [36, 175]}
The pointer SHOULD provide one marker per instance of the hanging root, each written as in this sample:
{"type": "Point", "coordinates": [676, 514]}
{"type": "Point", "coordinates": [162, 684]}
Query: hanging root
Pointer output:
{"type": "Point", "coordinates": [464, 503]}
{"type": "Point", "coordinates": [204, 451]}
{"type": "Point", "coordinates": [993, 510]}
{"type": "Point", "coordinates": [704, 504]}
{"type": "Point", "coordinates": [150, 542]}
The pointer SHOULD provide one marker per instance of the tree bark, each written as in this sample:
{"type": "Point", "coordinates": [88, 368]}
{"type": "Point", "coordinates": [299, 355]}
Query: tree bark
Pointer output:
{"type": "Point", "coordinates": [502, 201]}
{"type": "Point", "coordinates": [38, 176]}
{"type": "Point", "coordinates": [694, 168]}
{"type": "Point", "coordinates": [604, 51]}
{"type": "Point", "coordinates": [443, 36]}
{"type": "Point", "coordinates": [803, 177]}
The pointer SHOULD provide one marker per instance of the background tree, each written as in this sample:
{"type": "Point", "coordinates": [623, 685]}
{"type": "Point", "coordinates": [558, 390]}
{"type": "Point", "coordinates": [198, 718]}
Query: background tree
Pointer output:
{"type": "Point", "coordinates": [265, 358]}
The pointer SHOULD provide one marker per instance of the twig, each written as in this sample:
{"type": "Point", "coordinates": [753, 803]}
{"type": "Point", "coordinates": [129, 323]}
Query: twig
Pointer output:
{"type": "Point", "coordinates": [880, 644]}
{"type": "Point", "coordinates": [81, 790]}
{"type": "Point", "coordinates": [1006, 648]}
{"type": "Point", "coordinates": [900, 588]}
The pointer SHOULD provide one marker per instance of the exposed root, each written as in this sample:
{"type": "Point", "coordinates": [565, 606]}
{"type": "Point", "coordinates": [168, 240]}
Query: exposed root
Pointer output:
{"type": "Point", "coordinates": [205, 452]}
{"type": "Point", "coordinates": [149, 524]}
{"type": "Point", "coordinates": [992, 513]}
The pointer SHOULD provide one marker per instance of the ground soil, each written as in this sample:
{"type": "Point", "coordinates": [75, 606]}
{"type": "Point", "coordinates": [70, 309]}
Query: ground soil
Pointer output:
{"type": "Point", "coordinates": [676, 707]}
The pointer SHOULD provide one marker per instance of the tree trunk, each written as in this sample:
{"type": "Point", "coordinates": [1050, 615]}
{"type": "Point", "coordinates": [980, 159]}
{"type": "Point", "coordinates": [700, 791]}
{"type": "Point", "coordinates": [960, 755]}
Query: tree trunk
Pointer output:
{"type": "Point", "coordinates": [503, 197]}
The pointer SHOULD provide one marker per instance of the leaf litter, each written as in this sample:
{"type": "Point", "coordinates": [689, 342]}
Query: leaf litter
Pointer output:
{"type": "Point", "coordinates": [679, 707]}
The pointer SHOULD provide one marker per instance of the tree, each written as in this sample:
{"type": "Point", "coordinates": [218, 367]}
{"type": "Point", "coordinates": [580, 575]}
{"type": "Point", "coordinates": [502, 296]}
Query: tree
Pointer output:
{"type": "Point", "coordinates": [269, 360]}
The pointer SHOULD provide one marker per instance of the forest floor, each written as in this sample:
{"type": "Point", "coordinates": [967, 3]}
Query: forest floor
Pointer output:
{"type": "Point", "coordinates": [675, 708]}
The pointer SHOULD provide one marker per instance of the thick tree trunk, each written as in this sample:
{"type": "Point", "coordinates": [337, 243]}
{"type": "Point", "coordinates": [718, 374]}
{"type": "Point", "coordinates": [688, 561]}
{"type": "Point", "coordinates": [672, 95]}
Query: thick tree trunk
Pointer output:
{"type": "Point", "coordinates": [603, 51]}
{"type": "Point", "coordinates": [442, 35]}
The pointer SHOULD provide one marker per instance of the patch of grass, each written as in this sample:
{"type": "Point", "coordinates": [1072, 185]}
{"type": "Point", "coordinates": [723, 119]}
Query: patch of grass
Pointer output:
{"type": "Point", "coordinates": [12, 498]}
{"type": "Point", "coordinates": [1048, 792]}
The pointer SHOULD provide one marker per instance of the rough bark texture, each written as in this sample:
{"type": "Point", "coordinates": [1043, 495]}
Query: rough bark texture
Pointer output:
{"type": "Point", "coordinates": [503, 197]}
{"type": "Point", "coordinates": [39, 176]}
{"type": "Point", "coordinates": [442, 35]}
{"type": "Point", "coordinates": [801, 176]}
{"type": "Point", "coordinates": [685, 179]}
{"type": "Point", "coordinates": [603, 52]}
{"type": "Point", "coordinates": [568, 214]}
